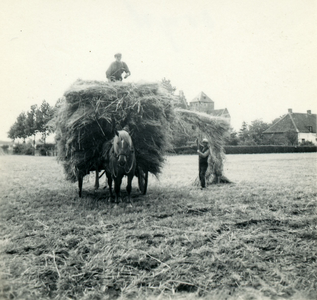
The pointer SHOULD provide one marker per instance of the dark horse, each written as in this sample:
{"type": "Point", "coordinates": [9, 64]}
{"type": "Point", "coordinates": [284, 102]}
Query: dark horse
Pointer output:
{"type": "Point", "coordinates": [121, 162]}
{"type": "Point", "coordinates": [82, 171]}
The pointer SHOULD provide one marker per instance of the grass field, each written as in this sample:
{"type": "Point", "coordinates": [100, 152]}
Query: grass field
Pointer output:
{"type": "Point", "coordinates": [254, 239]}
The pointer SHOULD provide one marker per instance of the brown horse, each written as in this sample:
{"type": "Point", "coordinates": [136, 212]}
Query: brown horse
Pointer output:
{"type": "Point", "coordinates": [121, 162]}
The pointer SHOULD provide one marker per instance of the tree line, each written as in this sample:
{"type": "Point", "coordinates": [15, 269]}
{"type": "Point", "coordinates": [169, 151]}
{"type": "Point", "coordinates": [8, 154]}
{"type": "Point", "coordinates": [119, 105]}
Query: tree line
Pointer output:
{"type": "Point", "coordinates": [252, 135]}
{"type": "Point", "coordinates": [30, 123]}
{"type": "Point", "coordinates": [36, 121]}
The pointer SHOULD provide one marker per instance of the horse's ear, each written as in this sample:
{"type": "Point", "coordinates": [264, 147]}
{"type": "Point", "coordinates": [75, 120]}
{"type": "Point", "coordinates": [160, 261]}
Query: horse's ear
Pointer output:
{"type": "Point", "coordinates": [126, 128]}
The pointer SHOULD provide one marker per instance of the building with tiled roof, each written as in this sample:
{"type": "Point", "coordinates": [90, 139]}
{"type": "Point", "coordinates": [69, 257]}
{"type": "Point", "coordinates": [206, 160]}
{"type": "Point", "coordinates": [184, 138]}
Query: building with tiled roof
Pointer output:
{"type": "Point", "coordinates": [204, 104]}
{"type": "Point", "coordinates": [180, 100]}
{"type": "Point", "coordinates": [302, 124]}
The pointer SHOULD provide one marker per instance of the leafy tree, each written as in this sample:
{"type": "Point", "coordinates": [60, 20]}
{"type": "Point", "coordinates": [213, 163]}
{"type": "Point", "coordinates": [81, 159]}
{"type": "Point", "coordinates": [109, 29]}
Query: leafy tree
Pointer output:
{"type": "Point", "coordinates": [168, 86]}
{"type": "Point", "coordinates": [31, 125]}
{"type": "Point", "coordinates": [42, 116]}
{"type": "Point", "coordinates": [180, 101]}
{"type": "Point", "coordinates": [253, 134]}
{"type": "Point", "coordinates": [292, 137]}
{"type": "Point", "coordinates": [256, 130]}
{"type": "Point", "coordinates": [232, 138]}
{"type": "Point", "coordinates": [18, 129]}
{"type": "Point", "coordinates": [33, 122]}
{"type": "Point", "coordinates": [12, 133]}
{"type": "Point", "coordinates": [244, 134]}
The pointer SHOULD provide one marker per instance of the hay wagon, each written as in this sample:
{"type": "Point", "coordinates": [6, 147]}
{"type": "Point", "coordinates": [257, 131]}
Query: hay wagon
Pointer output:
{"type": "Point", "coordinates": [88, 114]}
{"type": "Point", "coordinates": [89, 110]}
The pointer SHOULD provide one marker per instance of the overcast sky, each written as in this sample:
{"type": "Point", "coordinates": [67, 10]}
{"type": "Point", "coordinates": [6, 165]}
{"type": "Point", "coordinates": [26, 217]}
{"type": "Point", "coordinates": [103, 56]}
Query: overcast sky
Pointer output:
{"type": "Point", "coordinates": [256, 58]}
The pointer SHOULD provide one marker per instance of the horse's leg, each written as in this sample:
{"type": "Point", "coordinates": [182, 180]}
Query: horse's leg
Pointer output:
{"type": "Point", "coordinates": [97, 179]}
{"type": "Point", "coordinates": [110, 185]}
{"type": "Point", "coordinates": [117, 185]}
{"type": "Point", "coordinates": [80, 183]}
{"type": "Point", "coordinates": [129, 187]}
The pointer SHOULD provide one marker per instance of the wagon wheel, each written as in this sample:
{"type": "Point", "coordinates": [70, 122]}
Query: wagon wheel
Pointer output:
{"type": "Point", "coordinates": [143, 180]}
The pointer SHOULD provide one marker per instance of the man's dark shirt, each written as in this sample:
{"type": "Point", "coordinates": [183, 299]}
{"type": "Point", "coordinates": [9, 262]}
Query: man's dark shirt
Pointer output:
{"type": "Point", "coordinates": [116, 69]}
{"type": "Point", "coordinates": [203, 160]}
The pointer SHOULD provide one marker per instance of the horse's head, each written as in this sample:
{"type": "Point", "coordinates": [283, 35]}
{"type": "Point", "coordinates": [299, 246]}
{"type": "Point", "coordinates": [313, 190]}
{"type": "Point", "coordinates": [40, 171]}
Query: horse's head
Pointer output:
{"type": "Point", "coordinates": [123, 147]}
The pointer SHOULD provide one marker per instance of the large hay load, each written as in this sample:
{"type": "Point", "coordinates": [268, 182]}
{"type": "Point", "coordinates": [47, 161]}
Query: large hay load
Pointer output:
{"type": "Point", "coordinates": [214, 129]}
{"type": "Point", "coordinates": [90, 110]}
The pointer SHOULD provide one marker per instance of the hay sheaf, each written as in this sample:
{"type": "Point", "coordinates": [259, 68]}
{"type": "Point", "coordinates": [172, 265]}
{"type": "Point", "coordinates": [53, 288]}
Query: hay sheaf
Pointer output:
{"type": "Point", "coordinates": [91, 110]}
{"type": "Point", "coordinates": [215, 130]}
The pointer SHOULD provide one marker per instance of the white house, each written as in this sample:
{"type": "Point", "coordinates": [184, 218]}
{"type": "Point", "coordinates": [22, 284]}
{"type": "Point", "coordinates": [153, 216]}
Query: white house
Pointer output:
{"type": "Point", "coordinates": [302, 124]}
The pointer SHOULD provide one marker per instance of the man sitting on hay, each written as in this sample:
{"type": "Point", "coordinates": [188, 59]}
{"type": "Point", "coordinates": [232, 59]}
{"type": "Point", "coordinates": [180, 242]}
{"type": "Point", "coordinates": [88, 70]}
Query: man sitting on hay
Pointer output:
{"type": "Point", "coordinates": [115, 70]}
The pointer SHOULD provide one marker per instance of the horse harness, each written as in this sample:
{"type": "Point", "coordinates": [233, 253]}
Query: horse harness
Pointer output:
{"type": "Point", "coordinates": [117, 156]}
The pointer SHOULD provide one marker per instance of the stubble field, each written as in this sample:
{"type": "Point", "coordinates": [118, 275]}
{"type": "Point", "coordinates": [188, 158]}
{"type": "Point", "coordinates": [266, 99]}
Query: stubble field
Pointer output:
{"type": "Point", "coordinates": [254, 239]}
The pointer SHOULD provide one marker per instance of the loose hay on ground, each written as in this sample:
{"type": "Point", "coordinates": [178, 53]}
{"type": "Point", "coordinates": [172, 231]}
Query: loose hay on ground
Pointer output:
{"type": "Point", "coordinates": [251, 241]}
